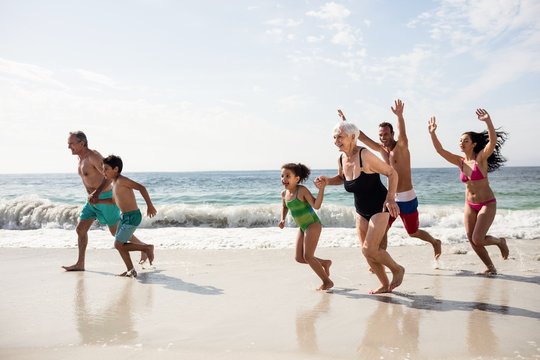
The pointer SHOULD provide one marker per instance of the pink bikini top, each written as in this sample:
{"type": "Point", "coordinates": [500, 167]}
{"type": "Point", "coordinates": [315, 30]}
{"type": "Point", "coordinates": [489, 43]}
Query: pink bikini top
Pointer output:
{"type": "Point", "coordinates": [476, 174]}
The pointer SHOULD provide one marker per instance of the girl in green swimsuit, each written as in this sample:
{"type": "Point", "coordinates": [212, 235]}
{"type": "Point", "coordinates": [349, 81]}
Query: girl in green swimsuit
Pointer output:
{"type": "Point", "coordinates": [299, 200]}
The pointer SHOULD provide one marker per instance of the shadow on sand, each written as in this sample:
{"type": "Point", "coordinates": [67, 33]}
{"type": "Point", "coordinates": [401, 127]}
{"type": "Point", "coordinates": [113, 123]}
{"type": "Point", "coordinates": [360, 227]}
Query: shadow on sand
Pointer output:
{"type": "Point", "coordinates": [156, 277]}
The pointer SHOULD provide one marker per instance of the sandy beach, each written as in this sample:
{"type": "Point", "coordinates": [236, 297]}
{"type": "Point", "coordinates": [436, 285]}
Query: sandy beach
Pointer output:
{"type": "Point", "coordinates": [240, 304]}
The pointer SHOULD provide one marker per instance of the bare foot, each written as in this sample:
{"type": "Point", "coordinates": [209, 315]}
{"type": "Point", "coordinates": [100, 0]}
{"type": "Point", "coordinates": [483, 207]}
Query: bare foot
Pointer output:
{"type": "Point", "coordinates": [504, 249]}
{"type": "Point", "coordinates": [150, 253]}
{"type": "Point", "coordinates": [437, 248]}
{"type": "Point", "coordinates": [326, 266]}
{"type": "Point", "coordinates": [129, 273]}
{"type": "Point", "coordinates": [327, 285]}
{"type": "Point", "coordinates": [75, 267]}
{"type": "Point", "coordinates": [490, 271]}
{"type": "Point", "coordinates": [397, 278]}
{"type": "Point", "coordinates": [143, 259]}
{"type": "Point", "coordinates": [383, 289]}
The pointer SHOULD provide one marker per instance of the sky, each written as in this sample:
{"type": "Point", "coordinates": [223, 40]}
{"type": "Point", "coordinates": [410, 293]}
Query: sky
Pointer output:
{"type": "Point", "coordinates": [249, 85]}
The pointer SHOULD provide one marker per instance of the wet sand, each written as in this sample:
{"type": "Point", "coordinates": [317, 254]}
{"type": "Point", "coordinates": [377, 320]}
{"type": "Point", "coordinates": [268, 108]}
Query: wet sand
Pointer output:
{"type": "Point", "coordinates": [246, 304]}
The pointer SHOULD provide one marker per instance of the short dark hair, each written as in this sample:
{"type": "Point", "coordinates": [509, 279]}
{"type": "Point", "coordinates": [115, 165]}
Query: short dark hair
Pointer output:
{"type": "Point", "coordinates": [384, 124]}
{"type": "Point", "coordinates": [300, 170]}
{"type": "Point", "coordinates": [80, 136]}
{"type": "Point", "coordinates": [114, 161]}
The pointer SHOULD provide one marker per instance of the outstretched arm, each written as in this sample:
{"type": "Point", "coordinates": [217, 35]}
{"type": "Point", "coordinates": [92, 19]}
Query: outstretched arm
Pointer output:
{"type": "Point", "coordinates": [398, 111]}
{"type": "Point", "coordinates": [447, 155]}
{"type": "Point", "coordinates": [490, 146]}
{"type": "Point", "coordinates": [335, 180]}
{"type": "Point", "coordinates": [369, 142]}
{"type": "Point", "coordinates": [363, 137]}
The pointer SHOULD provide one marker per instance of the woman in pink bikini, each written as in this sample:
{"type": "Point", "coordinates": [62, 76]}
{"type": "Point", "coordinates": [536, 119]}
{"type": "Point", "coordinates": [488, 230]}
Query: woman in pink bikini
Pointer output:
{"type": "Point", "coordinates": [482, 155]}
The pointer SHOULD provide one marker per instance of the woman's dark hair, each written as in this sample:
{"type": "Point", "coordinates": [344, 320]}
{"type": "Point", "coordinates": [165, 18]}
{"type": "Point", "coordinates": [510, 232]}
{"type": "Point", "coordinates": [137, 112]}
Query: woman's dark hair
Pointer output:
{"type": "Point", "coordinates": [495, 160]}
{"type": "Point", "coordinates": [114, 161]}
{"type": "Point", "coordinates": [300, 170]}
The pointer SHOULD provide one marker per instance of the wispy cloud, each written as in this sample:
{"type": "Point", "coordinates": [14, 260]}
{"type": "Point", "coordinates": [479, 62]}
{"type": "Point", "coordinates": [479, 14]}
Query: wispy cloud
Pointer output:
{"type": "Point", "coordinates": [330, 11]}
{"type": "Point", "coordinates": [467, 24]}
{"type": "Point", "coordinates": [99, 79]}
{"type": "Point", "coordinates": [28, 72]}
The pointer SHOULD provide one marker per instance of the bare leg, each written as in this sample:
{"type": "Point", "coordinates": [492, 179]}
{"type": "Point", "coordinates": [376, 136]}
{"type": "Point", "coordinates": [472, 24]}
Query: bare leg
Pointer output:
{"type": "Point", "coordinates": [376, 227]}
{"type": "Point", "coordinates": [82, 241]}
{"type": "Point", "coordinates": [311, 239]}
{"type": "Point", "coordinates": [306, 243]}
{"type": "Point", "coordinates": [476, 226]}
{"type": "Point", "coordinates": [133, 240]}
{"type": "Point", "coordinates": [124, 250]}
{"type": "Point", "coordinates": [424, 235]}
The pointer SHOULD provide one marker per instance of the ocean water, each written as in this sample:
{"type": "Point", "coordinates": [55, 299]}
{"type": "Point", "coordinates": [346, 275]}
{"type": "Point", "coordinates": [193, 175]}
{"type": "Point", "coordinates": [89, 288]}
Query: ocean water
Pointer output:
{"type": "Point", "coordinates": [241, 209]}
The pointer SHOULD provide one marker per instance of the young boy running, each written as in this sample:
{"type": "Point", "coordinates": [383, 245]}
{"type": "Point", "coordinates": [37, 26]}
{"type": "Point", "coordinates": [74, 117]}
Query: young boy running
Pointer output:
{"type": "Point", "coordinates": [124, 197]}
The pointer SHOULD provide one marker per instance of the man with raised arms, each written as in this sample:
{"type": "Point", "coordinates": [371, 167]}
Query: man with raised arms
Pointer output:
{"type": "Point", "coordinates": [90, 170]}
{"type": "Point", "coordinates": [396, 154]}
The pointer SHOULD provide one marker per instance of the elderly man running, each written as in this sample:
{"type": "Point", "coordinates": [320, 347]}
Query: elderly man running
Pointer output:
{"type": "Point", "coordinates": [90, 170]}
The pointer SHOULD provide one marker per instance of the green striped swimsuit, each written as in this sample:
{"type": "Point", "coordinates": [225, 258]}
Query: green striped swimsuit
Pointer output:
{"type": "Point", "coordinates": [302, 213]}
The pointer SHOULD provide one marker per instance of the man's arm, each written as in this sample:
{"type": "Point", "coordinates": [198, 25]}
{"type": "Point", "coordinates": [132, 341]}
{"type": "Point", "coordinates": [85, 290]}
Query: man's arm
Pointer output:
{"type": "Point", "coordinates": [375, 146]}
{"type": "Point", "coordinates": [96, 160]}
{"type": "Point", "coordinates": [402, 133]}
{"type": "Point", "coordinates": [363, 137]}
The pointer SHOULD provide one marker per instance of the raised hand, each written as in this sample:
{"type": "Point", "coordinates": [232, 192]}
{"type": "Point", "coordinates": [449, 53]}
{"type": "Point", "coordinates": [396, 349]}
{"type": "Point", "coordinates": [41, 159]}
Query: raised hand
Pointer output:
{"type": "Point", "coordinates": [399, 106]}
{"type": "Point", "coordinates": [341, 115]}
{"type": "Point", "coordinates": [482, 115]}
{"type": "Point", "coordinates": [432, 125]}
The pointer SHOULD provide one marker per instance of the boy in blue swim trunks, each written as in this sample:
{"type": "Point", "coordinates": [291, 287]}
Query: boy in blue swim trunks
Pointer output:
{"type": "Point", "coordinates": [131, 217]}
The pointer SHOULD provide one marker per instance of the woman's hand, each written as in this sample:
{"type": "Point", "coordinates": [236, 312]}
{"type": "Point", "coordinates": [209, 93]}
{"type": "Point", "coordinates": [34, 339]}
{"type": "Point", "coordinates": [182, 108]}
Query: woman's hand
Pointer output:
{"type": "Point", "coordinates": [321, 182]}
{"type": "Point", "coordinates": [482, 115]}
{"type": "Point", "coordinates": [432, 125]}
{"type": "Point", "coordinates": [281, 224]}
{"type": "Point", "coordinates": [392, 207]}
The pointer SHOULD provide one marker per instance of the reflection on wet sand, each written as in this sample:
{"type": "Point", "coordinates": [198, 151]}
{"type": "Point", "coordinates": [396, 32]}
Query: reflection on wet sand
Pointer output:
{"type": "Point", "coordinates": [400, 326]}
{"type": "Point", "coordinates": [481, 339]}
{"type": "Point", "coordinates": [306, 333]}
{"type": "Point", "coordinates": [106, 319]}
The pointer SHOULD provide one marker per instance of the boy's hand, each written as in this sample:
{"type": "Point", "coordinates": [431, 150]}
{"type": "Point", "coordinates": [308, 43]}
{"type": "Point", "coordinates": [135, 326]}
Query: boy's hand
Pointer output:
{"type": "Point", "coordinates": [151, 212]}
{"type": "Point", "coordinates": [93, 198]}
{"type": "Point", "coordinates": [281, 224]}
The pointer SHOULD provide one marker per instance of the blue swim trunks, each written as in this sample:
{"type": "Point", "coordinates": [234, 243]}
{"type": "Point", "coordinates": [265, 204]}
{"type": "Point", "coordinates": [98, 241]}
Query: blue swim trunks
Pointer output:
{"type": "Point", "coordinates": [106, 214]}
{"type": "Point", "coordinates": [408, 207]}
{"type": "Point", "coordinates": [128, 224]}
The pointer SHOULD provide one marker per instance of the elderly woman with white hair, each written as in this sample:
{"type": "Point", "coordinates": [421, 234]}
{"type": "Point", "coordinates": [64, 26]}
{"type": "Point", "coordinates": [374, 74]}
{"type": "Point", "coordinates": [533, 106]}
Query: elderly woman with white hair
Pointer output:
{"type": "Point", "coordinates": [359, 170]}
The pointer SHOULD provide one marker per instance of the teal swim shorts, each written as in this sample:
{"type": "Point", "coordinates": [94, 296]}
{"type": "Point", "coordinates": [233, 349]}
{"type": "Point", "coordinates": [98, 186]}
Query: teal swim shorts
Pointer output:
{"type": "Point", "coordinates": [128, 224]}
{"type": "Point", "coordinates": [106, 214]}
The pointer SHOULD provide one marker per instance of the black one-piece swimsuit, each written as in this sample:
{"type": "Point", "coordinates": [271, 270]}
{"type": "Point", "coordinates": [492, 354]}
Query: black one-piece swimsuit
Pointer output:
{"type": "Point", "coordinates": [369, 192]}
